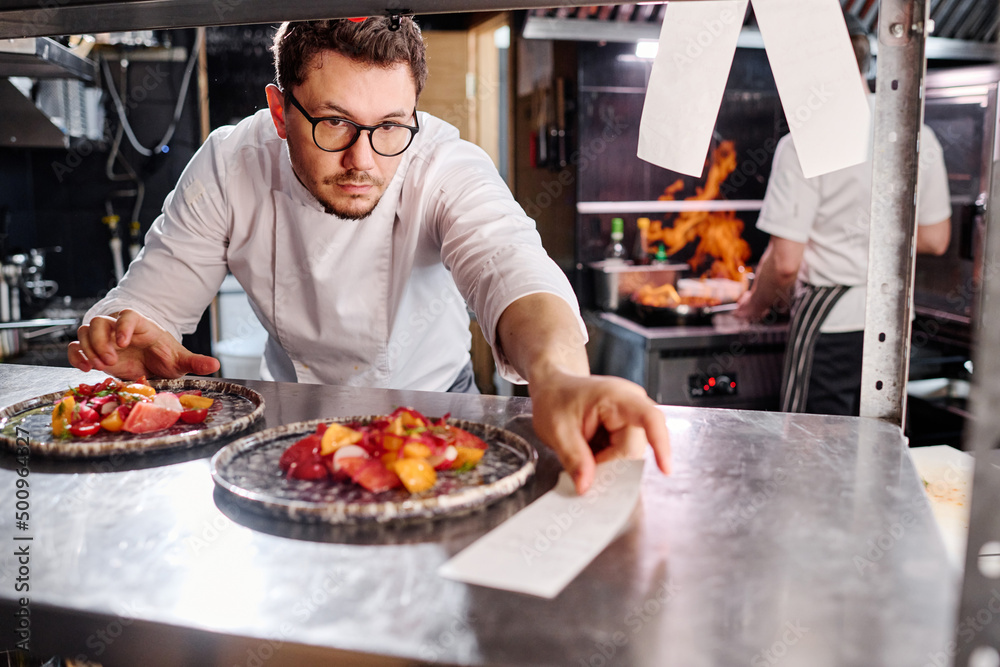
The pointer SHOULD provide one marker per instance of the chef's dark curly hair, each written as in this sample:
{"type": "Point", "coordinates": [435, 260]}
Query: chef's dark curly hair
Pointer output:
{"type": "Point", "coordinates": [370, 41]}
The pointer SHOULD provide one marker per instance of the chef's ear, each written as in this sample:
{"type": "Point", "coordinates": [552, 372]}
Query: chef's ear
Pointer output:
{"type": "Point", "coordinates": [276, 103]}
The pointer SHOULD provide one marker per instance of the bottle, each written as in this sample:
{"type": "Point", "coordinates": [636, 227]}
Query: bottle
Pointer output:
{"type": "Point", "coordinates": [616, 251]}
{"type": "Point", "coordinates": [661, 254]}
{"type": "Point", "coordinates": [640, 254]}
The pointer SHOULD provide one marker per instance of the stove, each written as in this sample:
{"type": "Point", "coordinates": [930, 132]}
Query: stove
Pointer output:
{"type": "Point", "coordinates": [729, 364]}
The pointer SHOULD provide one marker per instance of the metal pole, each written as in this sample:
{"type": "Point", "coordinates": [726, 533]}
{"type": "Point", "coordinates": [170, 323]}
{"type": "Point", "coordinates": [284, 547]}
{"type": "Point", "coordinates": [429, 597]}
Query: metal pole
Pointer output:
{"type": "Point", "coordinates": [977, 628]}
{"type": "Point", "coordinates": [892, 243]}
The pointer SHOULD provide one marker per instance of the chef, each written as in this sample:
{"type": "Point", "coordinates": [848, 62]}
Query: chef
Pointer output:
{"type": "Point", "coordinates": [819, 249]}
{"type": "Point", "coordinates": [360, 228]}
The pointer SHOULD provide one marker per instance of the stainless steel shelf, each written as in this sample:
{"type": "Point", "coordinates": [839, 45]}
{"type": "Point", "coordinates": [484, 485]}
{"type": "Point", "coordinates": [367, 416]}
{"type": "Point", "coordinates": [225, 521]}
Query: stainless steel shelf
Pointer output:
{"type": "Point", "coordinates": [42, 58]}
{"type": "Point", "coordinates": [669, 206]}
{"type": "Point", "coordinates": [38, 324]}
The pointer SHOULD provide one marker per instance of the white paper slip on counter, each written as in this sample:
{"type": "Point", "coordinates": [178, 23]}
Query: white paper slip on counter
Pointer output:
{"type": "Point", "coordinates": [543, 547]}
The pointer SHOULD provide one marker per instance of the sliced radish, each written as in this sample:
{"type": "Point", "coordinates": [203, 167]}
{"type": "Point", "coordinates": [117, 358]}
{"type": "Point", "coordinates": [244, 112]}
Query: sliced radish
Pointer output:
{"type": "Point", "coordinates": [445, 459]}
{"type": "Point", "coordinates": [348, 452]}
{"type": "Point", "coordinates": [168, 401]}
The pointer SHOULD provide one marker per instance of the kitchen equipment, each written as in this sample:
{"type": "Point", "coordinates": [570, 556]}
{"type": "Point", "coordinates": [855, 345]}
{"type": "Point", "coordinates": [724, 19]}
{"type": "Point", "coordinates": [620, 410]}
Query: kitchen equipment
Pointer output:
{"type": "Point", "coordinates": [682, 314]}
{"type": "Point", "coordinates": [615, 282]}
{"type": "Point", "coordinates": [726, 365]}
{"type": "Point", "coordinates": [961, 107]}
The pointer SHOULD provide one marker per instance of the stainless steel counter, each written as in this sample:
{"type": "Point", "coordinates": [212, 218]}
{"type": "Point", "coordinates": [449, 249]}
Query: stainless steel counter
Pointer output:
{"type": "Point", "coordinates": [778, 540]}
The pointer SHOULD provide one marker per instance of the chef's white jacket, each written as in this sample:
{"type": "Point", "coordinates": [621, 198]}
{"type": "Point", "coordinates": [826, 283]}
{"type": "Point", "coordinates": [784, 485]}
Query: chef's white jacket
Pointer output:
{"type": "Point", "coordinates": [379, 302]}
{"type": "Point", "coordinates": [831, 214]}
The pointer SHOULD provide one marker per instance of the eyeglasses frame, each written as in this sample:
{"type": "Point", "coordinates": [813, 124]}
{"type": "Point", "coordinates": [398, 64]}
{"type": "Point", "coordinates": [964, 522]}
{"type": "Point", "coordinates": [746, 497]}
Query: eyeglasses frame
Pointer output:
{"type": "Point", "coordinates": [358, 129]}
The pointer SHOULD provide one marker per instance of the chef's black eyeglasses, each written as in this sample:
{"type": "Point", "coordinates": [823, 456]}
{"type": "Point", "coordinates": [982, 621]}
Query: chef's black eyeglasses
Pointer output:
{"type": "Point", "coordinates": [333, 134]}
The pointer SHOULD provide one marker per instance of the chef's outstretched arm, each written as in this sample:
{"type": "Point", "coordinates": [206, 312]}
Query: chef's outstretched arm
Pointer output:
{"type": "Point", "coordinates": [129, 345]}
{"type": "Point", "coordinates": [540, 336]}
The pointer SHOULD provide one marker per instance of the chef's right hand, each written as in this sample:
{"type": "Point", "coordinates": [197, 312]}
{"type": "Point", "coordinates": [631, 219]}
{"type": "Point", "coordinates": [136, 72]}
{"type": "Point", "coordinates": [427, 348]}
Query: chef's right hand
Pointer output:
{"type": "Point", "coordinates": [129, 346]}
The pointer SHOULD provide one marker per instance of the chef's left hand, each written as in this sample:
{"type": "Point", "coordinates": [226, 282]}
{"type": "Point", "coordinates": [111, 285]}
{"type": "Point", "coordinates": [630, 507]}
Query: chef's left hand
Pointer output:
{"type": "Point", "coordinates": [569, 409]}
{"type": "Point", "coordinates": [750, 308]}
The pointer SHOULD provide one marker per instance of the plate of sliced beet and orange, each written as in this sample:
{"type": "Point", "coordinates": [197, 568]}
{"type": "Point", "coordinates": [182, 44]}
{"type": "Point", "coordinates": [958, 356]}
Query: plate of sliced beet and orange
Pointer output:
{"type": "Point", "coordinates": [115, 416]}
{"type": "Point", "coordinates": [375, 468]}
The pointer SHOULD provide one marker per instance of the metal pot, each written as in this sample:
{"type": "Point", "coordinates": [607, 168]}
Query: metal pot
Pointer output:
{"type": "Point", "coordinates": [615, 282]}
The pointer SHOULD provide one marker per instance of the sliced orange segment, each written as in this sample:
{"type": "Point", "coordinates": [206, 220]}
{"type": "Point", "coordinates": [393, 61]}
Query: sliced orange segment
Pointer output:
{"type": "Point", "coordinates": [389, 460]}
{"type": "Point", "coordinates": [193, 402]}
{"type": "Point", "coordinates": [392, 442]}
{"type": "Point", "coordinates": [138, 388]}
{"type": "Point", "coordinates": [113, 422]}
{"type": "Point", "coordinates": [62, 415]}
{"type": "Point", "coordinates": [467, 457]}
{"type": "Point", "coordinates": [416, 450]}
{"type": "Point", "coordinates": [416, 474]}
{"type": "Point", "coordinates": [337, 436]}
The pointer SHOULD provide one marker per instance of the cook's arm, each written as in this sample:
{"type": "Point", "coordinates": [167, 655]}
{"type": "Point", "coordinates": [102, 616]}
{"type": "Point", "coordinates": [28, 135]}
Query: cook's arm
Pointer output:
{"type": "Point", "coordinates": [934, 239]}
{"type": "Point", "coordinates": [540, 338]}
{"type": "Point", "coordinates": [528, 313]}
{"type": "Point", "coordinates": [774, 279]}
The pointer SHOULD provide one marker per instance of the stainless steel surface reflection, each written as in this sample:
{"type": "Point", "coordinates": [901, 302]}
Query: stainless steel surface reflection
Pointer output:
{"type": "Point", "coordinates": [778, 539]}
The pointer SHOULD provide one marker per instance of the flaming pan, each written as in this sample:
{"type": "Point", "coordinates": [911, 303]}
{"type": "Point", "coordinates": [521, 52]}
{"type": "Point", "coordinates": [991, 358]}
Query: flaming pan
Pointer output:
{"type": "Point", "coordinates": [693, 313]}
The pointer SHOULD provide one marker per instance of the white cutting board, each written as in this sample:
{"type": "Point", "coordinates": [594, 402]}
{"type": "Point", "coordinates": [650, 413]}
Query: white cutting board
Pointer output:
{"type": "Point", "coordinates": [947, 476]}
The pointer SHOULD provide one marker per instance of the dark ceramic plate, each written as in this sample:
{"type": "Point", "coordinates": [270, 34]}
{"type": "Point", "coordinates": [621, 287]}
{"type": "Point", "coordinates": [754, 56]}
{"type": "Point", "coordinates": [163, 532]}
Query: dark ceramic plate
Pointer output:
{"type": "Point", "coordinates": [248, 469]}
{"type": "Point", "coordinates": [236, 408]}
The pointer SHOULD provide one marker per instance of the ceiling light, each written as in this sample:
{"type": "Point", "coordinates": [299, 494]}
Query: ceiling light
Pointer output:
{"type": "Point", "coordinates": [646, 49]}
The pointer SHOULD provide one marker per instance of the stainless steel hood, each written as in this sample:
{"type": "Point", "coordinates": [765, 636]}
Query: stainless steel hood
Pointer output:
{"type": "Point", "coordinates": [964, 29]}
{"type": "Point", "coordinates": [21, 18]}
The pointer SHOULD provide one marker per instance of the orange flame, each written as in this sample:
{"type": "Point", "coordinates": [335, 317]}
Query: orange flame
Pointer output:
{"type": "Point", "coordinates": [719, 231]}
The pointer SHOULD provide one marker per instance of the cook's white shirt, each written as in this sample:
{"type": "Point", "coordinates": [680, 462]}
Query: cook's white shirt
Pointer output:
{"type": "Point", "coordinates": [831, 213]}
{"type": "Point", "coordinates": [379, 302]}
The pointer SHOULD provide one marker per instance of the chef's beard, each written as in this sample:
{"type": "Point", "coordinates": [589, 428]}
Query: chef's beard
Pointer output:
{"type": "Point", "coordinates": [352, 178]}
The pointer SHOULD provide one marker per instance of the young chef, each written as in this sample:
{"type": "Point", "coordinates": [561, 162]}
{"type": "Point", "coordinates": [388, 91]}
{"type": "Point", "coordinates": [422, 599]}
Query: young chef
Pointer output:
{"type": "Point", "coordinates": [360, 228]}
{"type": "Point", "coordinates": [819, 236]}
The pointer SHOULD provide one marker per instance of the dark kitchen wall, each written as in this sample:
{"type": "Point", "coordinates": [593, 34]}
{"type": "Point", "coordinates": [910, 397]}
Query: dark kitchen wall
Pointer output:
{"type": "Point", "coordinates": [239, 68]}
{"type": "Point", "coordinates": [56, 197]}
{"type": "Point", "coordinates": [547, 190]}
{"type": "Point", "coordinates": [612, 91]}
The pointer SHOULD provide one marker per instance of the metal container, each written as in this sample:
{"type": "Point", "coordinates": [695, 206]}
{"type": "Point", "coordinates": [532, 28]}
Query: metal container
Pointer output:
{"type": "Point", "coordinates": [616, 282]}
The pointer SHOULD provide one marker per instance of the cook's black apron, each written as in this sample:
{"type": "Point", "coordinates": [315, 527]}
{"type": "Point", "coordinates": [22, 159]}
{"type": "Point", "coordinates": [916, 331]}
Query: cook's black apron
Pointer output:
{"type": "Point", "coordinates": [810, 308]}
